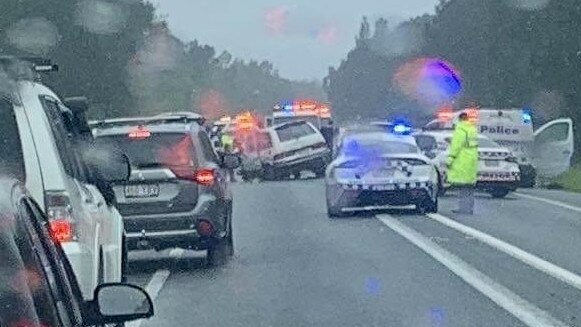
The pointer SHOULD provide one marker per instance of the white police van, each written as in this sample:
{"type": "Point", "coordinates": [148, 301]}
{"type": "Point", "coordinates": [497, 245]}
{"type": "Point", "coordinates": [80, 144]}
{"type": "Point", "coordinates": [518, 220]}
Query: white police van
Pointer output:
{"type": "Point", "coordinates": [544, 152]}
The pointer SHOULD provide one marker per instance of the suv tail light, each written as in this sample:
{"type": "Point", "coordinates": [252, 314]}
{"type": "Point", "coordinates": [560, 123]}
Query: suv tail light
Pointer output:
{"type": "Point", "coordinates": [204, 177]}
{"type": "Point", "coordinates": [59, 212]}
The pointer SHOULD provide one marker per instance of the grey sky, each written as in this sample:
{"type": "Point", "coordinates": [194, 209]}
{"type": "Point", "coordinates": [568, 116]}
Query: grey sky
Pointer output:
{"type": "Point", "coordinates": [301, 37]}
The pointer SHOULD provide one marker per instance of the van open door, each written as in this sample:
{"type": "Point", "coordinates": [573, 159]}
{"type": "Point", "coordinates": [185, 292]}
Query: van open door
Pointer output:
{"type": "Point", "coordinates": [553, 147]}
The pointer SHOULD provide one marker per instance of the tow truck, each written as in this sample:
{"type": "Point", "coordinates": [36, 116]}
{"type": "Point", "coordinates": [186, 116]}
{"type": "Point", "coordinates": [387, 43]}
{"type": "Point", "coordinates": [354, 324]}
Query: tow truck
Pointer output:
{"type": "Point", "coordinates": [542, 153]}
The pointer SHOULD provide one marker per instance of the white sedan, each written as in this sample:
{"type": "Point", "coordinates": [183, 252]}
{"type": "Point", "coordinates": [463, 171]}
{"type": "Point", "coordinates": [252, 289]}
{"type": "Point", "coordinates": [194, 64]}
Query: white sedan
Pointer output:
{"type": "Point", "coordinates": [379, 170]}
{"type": "Point", "coordinates": [498, 169]}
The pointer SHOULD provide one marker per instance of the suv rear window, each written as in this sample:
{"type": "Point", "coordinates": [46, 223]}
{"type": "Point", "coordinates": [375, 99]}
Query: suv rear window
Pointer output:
{"type": "Point", "coordinates": [294, 131]}
{"type": "Point", "coordinates": [157, 150]}
{"type": "Point", "coordinates": [11, 157]}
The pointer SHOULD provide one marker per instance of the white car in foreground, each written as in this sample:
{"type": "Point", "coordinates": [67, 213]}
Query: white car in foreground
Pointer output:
{"type": "Point", "coordinates": [379, 170]}
{"type": "Point", "coordinates": [498, 169]}
{"type": "Point", "coordinates": [41, 145]}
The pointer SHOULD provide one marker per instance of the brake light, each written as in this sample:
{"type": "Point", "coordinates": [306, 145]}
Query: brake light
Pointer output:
{"type": "Point", "coordinates": [61, 230]}
{"type": "Point", "coordinates": [204, 177]}
{"type": "Point", "coordinates": [139, 133]}
{"type": "Point", "coordinates": [59, 212]}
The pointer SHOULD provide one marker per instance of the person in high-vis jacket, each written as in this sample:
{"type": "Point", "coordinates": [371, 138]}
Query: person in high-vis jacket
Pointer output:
{"type": "Point", "coordinates": [463, 163]}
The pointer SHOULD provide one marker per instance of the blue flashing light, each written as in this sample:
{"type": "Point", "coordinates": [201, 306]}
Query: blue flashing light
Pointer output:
{"type": "Point", "coordinates": [527, 116]}
{"type": "Point", "coordinates": [288, 107]}
{"type": "Point", "coordinates": [401, 127]}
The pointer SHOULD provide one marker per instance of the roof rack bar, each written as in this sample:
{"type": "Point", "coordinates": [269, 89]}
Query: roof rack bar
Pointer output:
{"type": "Point", "coordinates": [144, 121]}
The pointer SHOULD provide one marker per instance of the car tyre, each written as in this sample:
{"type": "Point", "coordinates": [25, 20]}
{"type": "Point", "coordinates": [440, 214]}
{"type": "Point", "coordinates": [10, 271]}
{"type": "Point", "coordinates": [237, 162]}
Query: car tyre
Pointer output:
{"type": "Point", "coordinates": [218, 252]}
{"type": "Point", "coordinates": [498, 193]}
{"type": "Point", "coordinates": [429, 206]}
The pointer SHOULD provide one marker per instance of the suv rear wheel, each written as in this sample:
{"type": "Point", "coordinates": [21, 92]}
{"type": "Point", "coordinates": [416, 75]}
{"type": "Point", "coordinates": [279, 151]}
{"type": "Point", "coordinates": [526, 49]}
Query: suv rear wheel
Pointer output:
{"type": "Point", "coordinates": [221, 249]}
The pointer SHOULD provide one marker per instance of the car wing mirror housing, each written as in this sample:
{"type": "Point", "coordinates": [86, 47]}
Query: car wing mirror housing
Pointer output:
{"type": "Point", "coordinates": [116, 303]}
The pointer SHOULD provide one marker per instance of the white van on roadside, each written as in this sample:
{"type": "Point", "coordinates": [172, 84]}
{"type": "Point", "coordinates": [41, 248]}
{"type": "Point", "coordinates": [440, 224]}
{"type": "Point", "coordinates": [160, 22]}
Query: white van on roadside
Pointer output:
{"type": "Point", "coordinates": [545, 151]}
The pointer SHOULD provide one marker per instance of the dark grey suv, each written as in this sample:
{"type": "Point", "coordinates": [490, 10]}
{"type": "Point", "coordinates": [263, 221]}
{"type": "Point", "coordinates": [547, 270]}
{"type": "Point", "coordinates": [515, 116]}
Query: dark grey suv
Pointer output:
{"type": "Point", "coordinates": [178, 194]}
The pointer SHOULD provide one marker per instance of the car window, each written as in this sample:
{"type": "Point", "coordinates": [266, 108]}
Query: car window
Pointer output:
{"type": "Point", "coordinates": [426, 142]}
{"type": "Point", "coordinates": [554, 133]}
{"type": "Point", "coordinates": [294, 131]}
{"type": "Point", "coordinates": [355, 147]}
{"type": "Point", "coordinates": [11, 156]}
{"type": "Point", "coordinates": [207, 147]}
{"type": "Point", "coordinates": [158, 149]}
{"type": "Point", "coordinates": [64, 138]}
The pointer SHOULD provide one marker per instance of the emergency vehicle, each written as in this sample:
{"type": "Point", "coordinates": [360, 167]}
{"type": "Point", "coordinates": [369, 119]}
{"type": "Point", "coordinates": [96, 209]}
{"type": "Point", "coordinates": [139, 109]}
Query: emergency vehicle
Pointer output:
{"type": "Point", "coordinates": [378, 170]}
{"type": "Point", "coordinates": [316, 113]}
{"type": "Point", "coordinates": [498, 170]}
{"type": "Point", "coordinates": [545, 151]}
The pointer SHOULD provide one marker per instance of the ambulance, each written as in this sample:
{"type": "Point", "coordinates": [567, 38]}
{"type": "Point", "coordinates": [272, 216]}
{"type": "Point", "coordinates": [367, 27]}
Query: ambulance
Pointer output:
{"type": "Point", "coordinates": [542, 152]}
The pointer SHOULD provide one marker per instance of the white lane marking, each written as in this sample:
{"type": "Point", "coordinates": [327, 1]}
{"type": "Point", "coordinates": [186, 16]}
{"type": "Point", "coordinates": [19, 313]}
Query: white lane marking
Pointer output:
{"type": "Point", "coordinates": [523, 310]}
{"type": "Point", "coordinates": [153, 288]}
{"type": "Point", "coordinates": [156, 283]}
{"type": "Point", "coordinates": [530, 259]}
{"type": "Point", "coordinates": [553, 202]}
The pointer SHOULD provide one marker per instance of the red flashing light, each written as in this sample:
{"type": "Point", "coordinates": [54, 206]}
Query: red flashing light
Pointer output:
{"type": "Point", "coordinates": [472, 115]}
{"type": "Point", "coordinates": [204, 177]}
{"type": "Point", "coordinates": [140, 132]}
{"type": "Point", "coordinates": [445, 115]}
{"type": "Point", "coordinates": [61, 230]}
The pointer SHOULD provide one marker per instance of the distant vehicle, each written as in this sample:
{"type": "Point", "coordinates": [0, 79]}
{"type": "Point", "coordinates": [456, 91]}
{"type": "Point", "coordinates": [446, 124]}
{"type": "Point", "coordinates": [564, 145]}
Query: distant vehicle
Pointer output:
{"type": "Point", "coordinates": [296, 146]}
{"type": "Point", "coordinates": [498, 169]}
{"type": "Point", "coordinates": [378, 170]}
{"type": "Point", "coordinates": [41, 143]}
{"type": "Point", "coordinates": [547, 151]}
{"type": "Point", "coordinates": [314, 112]}
{"type": "Point", "coordinates": [178, 194]}
{"type": "Point", "coordinates": [42, 288]}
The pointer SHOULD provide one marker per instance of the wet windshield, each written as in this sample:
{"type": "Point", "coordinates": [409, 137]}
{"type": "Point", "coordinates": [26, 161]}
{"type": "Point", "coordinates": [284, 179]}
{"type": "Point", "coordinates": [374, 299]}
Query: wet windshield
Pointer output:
{"type": "Point", "coordinates": [405, 163]}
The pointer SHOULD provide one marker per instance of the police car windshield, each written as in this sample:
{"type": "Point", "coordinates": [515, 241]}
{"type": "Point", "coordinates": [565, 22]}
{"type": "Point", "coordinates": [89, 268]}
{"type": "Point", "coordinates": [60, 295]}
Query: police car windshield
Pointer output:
{"type": "Point", "coordinates": [358, 147]}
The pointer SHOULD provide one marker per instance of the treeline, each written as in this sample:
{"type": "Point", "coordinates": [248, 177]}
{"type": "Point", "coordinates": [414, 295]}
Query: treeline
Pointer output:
{"type": "Point", "coordinates": [508, 53]}
{"type": "Point", "coordinates": [122, 56]}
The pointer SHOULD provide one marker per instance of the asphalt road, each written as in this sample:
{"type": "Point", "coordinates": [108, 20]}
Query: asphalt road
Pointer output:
{"type": "Point", "coordinates": [516, 262]}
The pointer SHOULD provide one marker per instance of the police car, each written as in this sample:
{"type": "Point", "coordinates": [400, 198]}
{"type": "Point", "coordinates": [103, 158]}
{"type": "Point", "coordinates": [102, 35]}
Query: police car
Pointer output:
{"type": "Point", "coordinates": [542, 152]}
{"type": "Point", "coordinates": [379, 170]}
{"type": "Point", "coordinates": [498, 169]}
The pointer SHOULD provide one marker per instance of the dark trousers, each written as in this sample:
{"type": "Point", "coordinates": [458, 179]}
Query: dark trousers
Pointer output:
{"type": "Point", "coordinates": [466, 198]}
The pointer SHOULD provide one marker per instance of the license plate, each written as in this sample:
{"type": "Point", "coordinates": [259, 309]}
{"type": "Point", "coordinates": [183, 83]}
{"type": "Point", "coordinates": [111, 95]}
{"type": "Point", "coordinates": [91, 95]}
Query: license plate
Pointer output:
{"type": "Point", "coordinates": [492, 163]}
{"type": "Point", "coordinates": [142, 191]}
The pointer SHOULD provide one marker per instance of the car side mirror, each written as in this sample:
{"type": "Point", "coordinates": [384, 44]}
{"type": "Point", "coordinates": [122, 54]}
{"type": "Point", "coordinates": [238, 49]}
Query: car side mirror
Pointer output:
{"type": "Point", "coordinates": [117, 303]}
{"type": "Point", "coordinates": [231, 161]}
{"type": "Point", "coordinates": [111, 164]}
